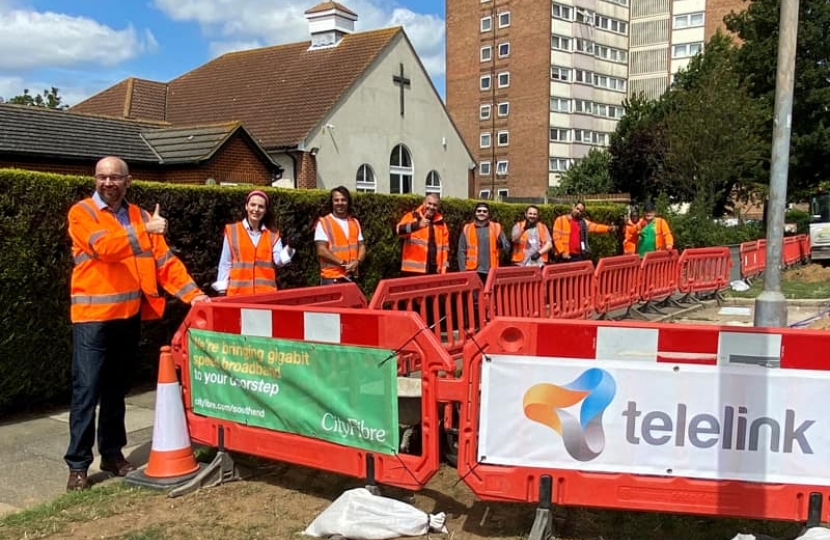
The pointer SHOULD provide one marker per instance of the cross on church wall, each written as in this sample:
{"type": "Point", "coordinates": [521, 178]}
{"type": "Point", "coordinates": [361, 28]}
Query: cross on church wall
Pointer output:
{"type": "Point", "coordinates": [402, 82]}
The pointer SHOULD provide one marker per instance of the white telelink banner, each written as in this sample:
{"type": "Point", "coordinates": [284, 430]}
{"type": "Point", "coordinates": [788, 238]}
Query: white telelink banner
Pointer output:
{"type": "Point", "coordinates": [720, 422]}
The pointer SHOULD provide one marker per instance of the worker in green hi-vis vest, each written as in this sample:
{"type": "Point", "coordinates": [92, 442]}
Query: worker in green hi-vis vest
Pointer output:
{"type": "Point", "coordinates": [654, 234]}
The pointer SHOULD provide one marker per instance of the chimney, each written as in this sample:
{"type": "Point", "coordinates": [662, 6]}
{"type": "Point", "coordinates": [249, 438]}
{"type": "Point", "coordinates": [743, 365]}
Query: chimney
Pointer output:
{"type": "Point", "coordinates": [328, 23]}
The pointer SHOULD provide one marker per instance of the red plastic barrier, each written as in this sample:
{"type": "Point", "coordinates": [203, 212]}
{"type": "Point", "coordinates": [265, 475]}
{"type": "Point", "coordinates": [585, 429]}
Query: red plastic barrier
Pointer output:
{"type": "Point", "coordinates": [762, 253]}
{"type": "Point", "coordinates": [804, 244]}
{"type": "Point", "coordinates": [513, 291]}
{"type": "Point", "coordinates": [658, 275]}
{"type": "Point", "coordinates": [616, 283]}
{"type": "Point", "coordinates": [400, 332]}
{"type": "Point", "coordinates": [496, 476]}
{"type": "Point", "coordinates": [447, 302]}
{"type": "Point", "coordinates": [751, 259]}
{"type": "Point", "coordinates": [791, 251]}
{"type": "Point", "coordinates": [704, 270]}
{"type": "Point", "coordinates": [568, 290]}
{"type": "Point", "coordinates": [339, 295]}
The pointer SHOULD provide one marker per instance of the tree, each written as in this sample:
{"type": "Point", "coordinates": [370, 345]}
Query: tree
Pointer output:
{"type": "Point", "coordinates": [758, 27]}
{"type": "Point", "coordinates": [49, 99]}
{"type": "Point", "coordinates": [637, 149]}
{"type": "Point", "coordinates": [588, 175]}
{"type": "Point", "coordinates": [714, 129]}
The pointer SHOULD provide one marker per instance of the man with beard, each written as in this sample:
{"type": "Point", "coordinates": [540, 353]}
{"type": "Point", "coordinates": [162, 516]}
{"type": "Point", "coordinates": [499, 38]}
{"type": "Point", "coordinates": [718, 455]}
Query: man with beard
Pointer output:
{"type": "Point", "coordinates": [570, 234]}
{"type": "Point", "coordinates": [426, 239]}
{"type": "Point", "coordinates": [339, 240]}
{"type": "Point", "coordinates": [531, 240]}
{"type": "Point", "coordinates": [480, 242]}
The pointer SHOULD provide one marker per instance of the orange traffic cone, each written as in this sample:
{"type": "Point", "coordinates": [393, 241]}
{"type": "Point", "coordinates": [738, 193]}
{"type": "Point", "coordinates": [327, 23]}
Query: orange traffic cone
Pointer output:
{"type": "Point", "coordinates": [171, 456]}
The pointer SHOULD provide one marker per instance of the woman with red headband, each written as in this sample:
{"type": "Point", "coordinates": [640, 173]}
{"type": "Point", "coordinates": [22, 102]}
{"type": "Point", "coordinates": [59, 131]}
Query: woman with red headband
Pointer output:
{"type": "Point", "coordinates": [252, 250]}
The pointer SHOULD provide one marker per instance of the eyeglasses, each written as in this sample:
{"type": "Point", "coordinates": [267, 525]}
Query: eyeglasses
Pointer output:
{"type": "Point", "coordinates": [113, 177]}
{"type": "Point", "coordinates": [482, 212]}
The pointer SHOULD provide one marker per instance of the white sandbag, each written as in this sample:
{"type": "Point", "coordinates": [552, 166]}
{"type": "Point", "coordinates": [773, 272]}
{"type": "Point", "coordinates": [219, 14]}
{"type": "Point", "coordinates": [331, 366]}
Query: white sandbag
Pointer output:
{"type": "Point", "coordinates": [741, 536]}
{"type": "Point", "coordinates": [359, 515]}
{"type": "Point", "coordinates": [815, 533]}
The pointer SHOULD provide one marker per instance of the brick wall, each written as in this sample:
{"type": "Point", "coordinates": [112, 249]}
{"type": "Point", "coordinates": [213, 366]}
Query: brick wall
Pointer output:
{"type": "Point", "coordinates": [527, 95]}
{"type": "Point", "coordinates": [716, 10]}
{"type": "Point", "coordinates": [306, 170]}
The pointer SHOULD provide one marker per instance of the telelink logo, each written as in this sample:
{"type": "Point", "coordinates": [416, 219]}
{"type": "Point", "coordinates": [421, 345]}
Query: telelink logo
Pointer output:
{"type": "Point", "coordinates": [584, 437]}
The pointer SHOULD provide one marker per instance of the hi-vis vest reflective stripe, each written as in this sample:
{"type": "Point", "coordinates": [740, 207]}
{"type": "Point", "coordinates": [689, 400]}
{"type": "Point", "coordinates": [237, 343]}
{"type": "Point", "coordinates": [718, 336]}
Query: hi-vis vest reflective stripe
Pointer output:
{"type": "Point", "coordinates": [116, 267]}
{"type": "Point", "coordinates": [416, 245]}
{"type": "Point", "coordinates": [472, 245]}
{"type": "Point", "coordinates": [252, 268]}
{"type": "Point", "coordinates": [345, 249]}
{"type": "Point", "coordinates": [519, 248]}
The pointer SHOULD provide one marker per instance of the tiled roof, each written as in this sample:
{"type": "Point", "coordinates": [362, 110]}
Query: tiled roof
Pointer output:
{"type": "Point", "coordinates": [188, 144]}
{"type": "Point", "coordinates": [130, 98]}
{"type": "Point", "coordinates": [37, 131]}
{"type": "Point", "coordinates": [327, 6]}
{"type": "Point", "coordinates": [41, 132]}
{"type": "Point", "coordinates": [278, 93]}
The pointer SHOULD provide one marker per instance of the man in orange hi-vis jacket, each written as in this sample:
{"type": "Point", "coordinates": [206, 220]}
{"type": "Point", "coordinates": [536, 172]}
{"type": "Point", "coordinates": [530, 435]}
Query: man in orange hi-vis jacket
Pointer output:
{"type": "Point", "coordinates": [426, 239]}
{"type": "Point", "coordinates": [121, 258]}
{"type": "Point", "coordinates": [338, 239]}
{"type": "Point", "coordinates": [570, 234]}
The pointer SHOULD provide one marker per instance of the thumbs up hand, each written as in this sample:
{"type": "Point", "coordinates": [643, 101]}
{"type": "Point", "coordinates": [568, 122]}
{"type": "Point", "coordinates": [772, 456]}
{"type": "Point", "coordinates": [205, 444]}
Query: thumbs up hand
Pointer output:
{"type": "Point", "coordinates": [156, 224]}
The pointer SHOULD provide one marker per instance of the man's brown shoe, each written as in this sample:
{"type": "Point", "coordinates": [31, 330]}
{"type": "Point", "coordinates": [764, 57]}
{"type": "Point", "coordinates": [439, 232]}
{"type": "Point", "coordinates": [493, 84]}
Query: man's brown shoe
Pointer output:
{"type": "Point", "coordinates": [77, 481]}
{"type": "Point", "coordinates": [118, 466]}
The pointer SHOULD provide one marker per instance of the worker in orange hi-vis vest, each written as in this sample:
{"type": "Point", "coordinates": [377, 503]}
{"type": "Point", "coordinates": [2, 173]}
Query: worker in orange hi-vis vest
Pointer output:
{"type": "Point", "coordinates": [570, 234]}
{"type": "Point", "coordinates": [252, 250]}
{"type": "Point", "coordinates": [632, 231]}
{"type": "Point", "coordinates": [480, 243]}
{"type": "Point", "coordinates": [426, 239]}
{"type": "Point", "coordinates": [531, 240]}
{"type": "Point", "coordinates": [655, 234]}
{"type": "Point", "coordinates": [339, 240]}
{"type": "Point", "coordinates": [120, 258]}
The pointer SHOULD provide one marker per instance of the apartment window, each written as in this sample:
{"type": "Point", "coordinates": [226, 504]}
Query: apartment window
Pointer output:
{"type": "Point", "coordinates": [685, 50]}
{"type": "Point", "coordinates": [560, 105]}
{"type": "Point", "coordinates": [484, 140]}
{"type": "Point", "coordinates": [504, 19]}
{"type": "Point", "coordinates": [560, 43]}
{"type": "Point", "coordinates": [484, 193]}
{"type": "Point", "coordinates": [504, 50]}
{"type": "Point", "coordinates": [433, 183]}
{"type": "Point", "coordinates": [503, 194]}
{"type": "Point", "coordinates": [484, 112]}
{"type": "Point", "coordinates": [559, 134]}
{"type": "Point", "coordinates": [558, 11]}
{"type": "Point", "coordinates": [504, 108]}
{"type": "Point", "coordinates": [688, 20]}
{"type": "Point", "coordinates": [557, 164]}
{"type": "Point", "coordinates": [504, 79]}
{"type": "Point", "coordinates": [486, 53]}
{"type": "Point", "coordinates": [612, 25]}
{"type": "Point", "coordinates": [560, 74]}
{"type": "Point", "coordinates": [582, 135]}
{"type": "Point", "coordinates": [486, 24]}
{"type": "Point", "coordinates": [503, 138]}
{"type": "Point", "coordinates": [484, 82]}
{"type": "Point", "coordinates": [484, 170]}
{"type": "Point", "coordinates": [585, 46]}
{"type": "Point", "coordinates": [583, 106]}
{"type": "Point", "coordinates": [365, 180]}
{"type": "Point", "coordinates": [501, 167]}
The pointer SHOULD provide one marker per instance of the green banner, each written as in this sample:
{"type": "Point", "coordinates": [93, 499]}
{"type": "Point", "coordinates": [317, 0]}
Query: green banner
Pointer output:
{"type": "Point", "coordinates": [337, 393]}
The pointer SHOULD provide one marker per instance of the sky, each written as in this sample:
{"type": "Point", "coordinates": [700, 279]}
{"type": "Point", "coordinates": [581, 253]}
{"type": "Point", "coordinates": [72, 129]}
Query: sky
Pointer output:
{"type": "Point", "coordinates": [84, 46]}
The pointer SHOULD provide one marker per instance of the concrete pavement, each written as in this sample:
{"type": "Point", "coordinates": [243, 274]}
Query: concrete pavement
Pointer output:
{"type": "Point", "coordinates": [32, 449]}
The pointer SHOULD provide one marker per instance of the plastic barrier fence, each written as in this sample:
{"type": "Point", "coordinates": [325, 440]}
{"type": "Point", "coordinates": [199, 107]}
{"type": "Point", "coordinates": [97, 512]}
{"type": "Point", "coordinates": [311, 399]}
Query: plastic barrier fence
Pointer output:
{"type": "Point", "coordinates": [658, 276]}
{"type": "Point", "coordinates": [704, 270]}
{"type": "Point", "coordinates": [338, 295]}
{"type": "Point", "coordinates": [569, 290]}
{"type": "Point", "coordinates": [616, 283]}
{"type": "Point", "coordinates": [791, 251]}
{"type": "Point", "coordinates": [514, 291]}
{"type": "Point", "coordinates": [643, 416]}
{"type": "Point", "coordinates": [804, 244]}
{"type": "Point", "coordinates": [241, 363]}
{"type": "Point", "coordinates": [448, 303]}
{"type": "Point", "coordinates": [751, 259]}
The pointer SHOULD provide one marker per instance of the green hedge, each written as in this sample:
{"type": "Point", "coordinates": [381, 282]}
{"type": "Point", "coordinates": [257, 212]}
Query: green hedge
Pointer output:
{"type": "Point", "coordinates": [35, 262]}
